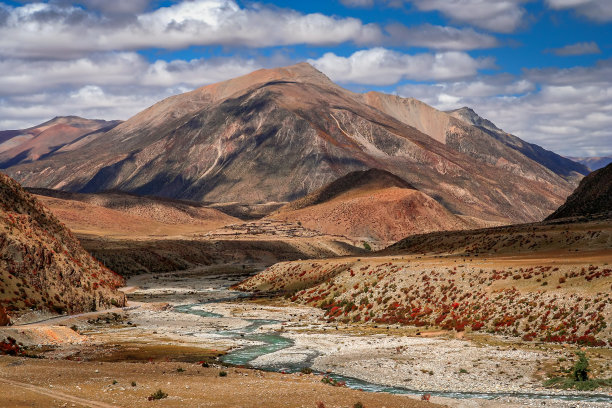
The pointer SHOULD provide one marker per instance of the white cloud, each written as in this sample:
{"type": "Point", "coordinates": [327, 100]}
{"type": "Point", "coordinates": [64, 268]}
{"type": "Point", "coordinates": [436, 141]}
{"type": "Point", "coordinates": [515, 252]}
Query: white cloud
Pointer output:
{"type": "Point", "coordinates": [54, 31]}
{"type": "Point", "coordinates": [380, 66]}
{"type": "Point", "coordinates": [568, 111]}
{"type": "Point", "coordinates": [597, 10]}
{"type": "Point", "coordinates": [106, 86]}
{"type": "Point", "coordinates": [581, 48]}
{"type": "Point", "coordinates": [440, 37]}
{"type": "Point", "coordinates": [503, 16]}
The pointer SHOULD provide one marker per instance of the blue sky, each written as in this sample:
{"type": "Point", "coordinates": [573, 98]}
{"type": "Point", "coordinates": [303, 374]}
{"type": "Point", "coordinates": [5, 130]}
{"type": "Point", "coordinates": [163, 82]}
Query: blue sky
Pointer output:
{"type": "Point", "coordinates": [539, 69]}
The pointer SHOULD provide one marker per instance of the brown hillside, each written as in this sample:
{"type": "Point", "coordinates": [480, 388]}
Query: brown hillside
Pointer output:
{"type": "Point", "coordinates": [544, 282]}
{"type": "Point", "coordinates": [373, 206]}
{"type": "Point", "coordinates": [21, 146]}
{"type": "Point", "coordinates": [42, 265]}
{"type": "Point", "coordinates": [128, 215]}
{"type": "Point", "coordinates": [593, 196]}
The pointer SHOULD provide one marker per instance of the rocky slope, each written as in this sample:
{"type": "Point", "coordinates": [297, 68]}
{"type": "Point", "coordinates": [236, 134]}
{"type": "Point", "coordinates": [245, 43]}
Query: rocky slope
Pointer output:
{"type": "Point", "coordinates": [279, 134]}
{"type": "Point", "coordinates": [593, 196]}
{"type": "Point", "coordinates": [372, 206]}
{"type": "Point", "coordinates": [554, 162]}
{"type": "Point", "coordinates": [42, 265]}
{"type": "Point", "coordinates": [27, 145]}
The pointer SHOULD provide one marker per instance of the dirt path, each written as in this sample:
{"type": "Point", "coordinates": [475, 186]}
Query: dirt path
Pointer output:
{"type": "Point", "coordinates": [58, 395]}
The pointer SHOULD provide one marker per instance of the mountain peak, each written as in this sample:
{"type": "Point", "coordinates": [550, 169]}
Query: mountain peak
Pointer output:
{"type": "Point", "coordinates": [302, 72]}
{"type": "Point", "coordinates": [468, 115]}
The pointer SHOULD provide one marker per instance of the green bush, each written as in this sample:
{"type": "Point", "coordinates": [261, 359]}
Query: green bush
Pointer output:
{"type": "Point", "coordinates": [367, 246]}
{"type": "Point", "coordinates": [157, 395]}
{"type": "Point", "coordinates": [222, 373]}
{"type": "Point", "coordinates": [581, 368]}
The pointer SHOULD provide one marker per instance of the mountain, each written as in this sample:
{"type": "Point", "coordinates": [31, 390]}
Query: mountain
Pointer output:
{"type": "Point", "coordinates": [593, 196]}
{"type": "Point", "coordinates": [42, 265]}
{"type": "Point", "coordinates": [554, 162]}
{"type": "Point", "coordinates": [374, 206]}
{"type": "Point", "coordinates": [20, 146]}
{"type": "Point", "coordinates": [593, 163]}
{"type": "Point", "coordinates": [279, 134]}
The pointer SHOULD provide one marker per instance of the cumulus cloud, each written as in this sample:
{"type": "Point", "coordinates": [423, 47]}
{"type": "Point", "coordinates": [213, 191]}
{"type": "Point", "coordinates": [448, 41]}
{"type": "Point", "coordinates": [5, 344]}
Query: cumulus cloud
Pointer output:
{"type": "Point", "coordinates": [581, 48]}
{"type": "Point", "coordinates": [106, 86]}
{"type": "Point", "coordinates": [440, 37]}
{"type": "Point", "coordinates": [53, 30]}
{"type": "Point", "coordinates": [90, 101]}
{"type": "Point", "coordinates": [503, 16]}
{"type": "Point", "coordinates": [380, 66]}
{"type": "Point", "coordinates": [546, 107]}
{"type": "Point", "coordinates": [597, 10]}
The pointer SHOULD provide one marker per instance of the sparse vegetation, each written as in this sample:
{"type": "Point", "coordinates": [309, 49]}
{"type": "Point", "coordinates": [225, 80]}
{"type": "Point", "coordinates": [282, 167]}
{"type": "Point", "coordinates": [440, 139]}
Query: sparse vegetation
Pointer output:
{"type": "Point", "coordinates": [222, 373]}
{"type": "Point", "coordinates": [579, 377]}
{"type": "Point", "coordinates": [157, 395]}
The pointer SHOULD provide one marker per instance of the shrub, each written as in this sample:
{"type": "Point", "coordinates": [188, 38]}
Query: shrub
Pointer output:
{"type": "Point", "coordinates": [133, 383]}
{"type": "Point", "coordinates": [580, 372]}
{"type": "Point", "coordinates": [358, 404]}
{"type": "Point", "coordinates": [367, 246]}
{"type": "Point", "coordinates": [222, 373]}
{"type": "Point", "coordinates": [157, 395]}
{"type": "Point", "coordinates": [306, 370]}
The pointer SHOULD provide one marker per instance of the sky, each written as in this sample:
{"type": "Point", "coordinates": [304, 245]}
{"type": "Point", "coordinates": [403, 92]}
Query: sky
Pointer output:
{"type": "Point", "coordinates": [539, 69]}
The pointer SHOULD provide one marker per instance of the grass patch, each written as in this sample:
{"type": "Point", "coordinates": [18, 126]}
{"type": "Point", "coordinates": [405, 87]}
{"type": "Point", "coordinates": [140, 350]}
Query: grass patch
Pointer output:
{"type": "Point", "coordinates": [566, 383]}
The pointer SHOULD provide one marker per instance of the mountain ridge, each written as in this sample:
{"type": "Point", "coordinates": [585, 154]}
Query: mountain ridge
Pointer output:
{"type": "Point", "coordinates": [279, 134]}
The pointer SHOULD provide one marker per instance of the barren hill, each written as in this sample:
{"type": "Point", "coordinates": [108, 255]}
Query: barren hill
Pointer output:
{"type": "Point", "coordinates": [374, 206]}
{"type": "Point", "coordinates": [21, 146]}
{"type": "Point", "coordinates": [279, 134]}
{"type": "Point", "coordinates": [593, 196]}
{"type": "Point", "coordinates": [122, 214]}
{"type": "Point", "coordinates": [42, 265]}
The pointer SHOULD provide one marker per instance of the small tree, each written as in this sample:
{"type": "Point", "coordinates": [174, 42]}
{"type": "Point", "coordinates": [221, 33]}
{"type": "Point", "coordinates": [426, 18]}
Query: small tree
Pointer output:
{"type": "Point", "coordinates": [367, 246]}
{"type": "Point", "coordinates": [581, 368]}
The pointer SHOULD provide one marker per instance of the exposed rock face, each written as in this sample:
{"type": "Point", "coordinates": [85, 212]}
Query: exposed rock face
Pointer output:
{"type": "Point", "coordinates": [374, 206]}
{"type": "Point", "coordinates": [552, 161]}
{"type": "Point", "coordinates": [42, 265]}
{"type": "Point", "coordinates": [593, 196]}
{"type": "Point", "coordinates": [279, 134]}
{"type": "Point", "coordinates": [22, 146]}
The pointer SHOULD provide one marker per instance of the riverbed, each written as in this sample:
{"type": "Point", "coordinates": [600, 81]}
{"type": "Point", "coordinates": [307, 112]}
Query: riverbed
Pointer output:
{"type": "Point", "coordinates": [283, 337]}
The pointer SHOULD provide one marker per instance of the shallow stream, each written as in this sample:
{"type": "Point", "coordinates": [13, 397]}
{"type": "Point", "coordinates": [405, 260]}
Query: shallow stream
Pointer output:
{"type": "Point", "coordinates": [263, 342]}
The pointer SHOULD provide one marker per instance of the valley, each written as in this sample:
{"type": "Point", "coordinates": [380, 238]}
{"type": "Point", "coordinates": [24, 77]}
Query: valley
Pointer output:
{"type": "Point", "coordinates": [306, 245]}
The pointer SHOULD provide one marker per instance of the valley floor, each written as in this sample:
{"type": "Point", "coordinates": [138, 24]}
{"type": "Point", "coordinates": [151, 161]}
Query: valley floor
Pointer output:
{"type": "Point", "coordinates": [177, 320]}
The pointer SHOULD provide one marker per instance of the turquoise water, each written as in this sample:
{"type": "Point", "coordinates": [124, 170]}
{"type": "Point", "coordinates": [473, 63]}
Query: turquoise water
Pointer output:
{"type": "Point", "coordinates": [270, 342]}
